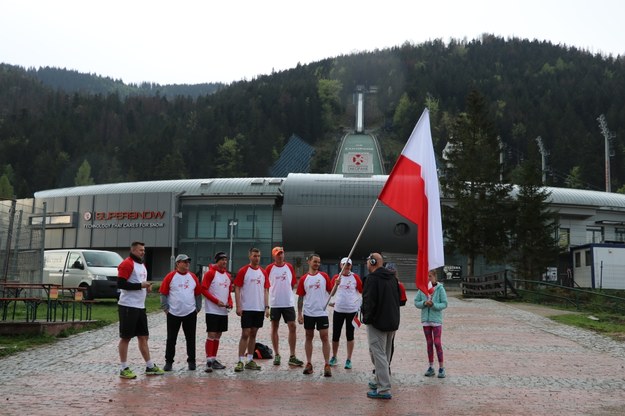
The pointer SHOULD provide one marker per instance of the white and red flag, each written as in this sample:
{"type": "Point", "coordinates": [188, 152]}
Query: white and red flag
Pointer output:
{"type": "Point", "coordinates": [412, 191]}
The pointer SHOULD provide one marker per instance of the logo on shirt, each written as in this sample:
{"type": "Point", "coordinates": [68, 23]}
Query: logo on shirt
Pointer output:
{"type": "Point", "coordinates": [316, 285]}
{"type": "Point", "coordinates": [184, 285]}
{"type": "Point", "coordinates": [281, 276]}
{"type": "Point", "coordinates": [256, 280]}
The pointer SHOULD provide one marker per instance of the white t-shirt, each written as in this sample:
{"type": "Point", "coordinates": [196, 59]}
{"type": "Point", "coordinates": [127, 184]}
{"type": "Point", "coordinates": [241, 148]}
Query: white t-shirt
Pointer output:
{"type": "Point", "coordinates": [180, 290]}
{"type": "Point", "coordinates": [135, 273]}
{"type": "Point", "coordinates": [347, 296]}
{"type": "Point", "coordinates": [316, 291]}
{"type": "Point", "coordinates": [218, 284]}
{"type": "Point", "coordinates": [281, 280]}
{"type": "Point", "coordinates": [253, 283]}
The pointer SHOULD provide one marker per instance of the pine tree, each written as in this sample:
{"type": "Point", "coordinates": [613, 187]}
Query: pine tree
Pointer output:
{"type": "Point", "coordinates": [83, 176]}
{"type": "Point", "coordinates": [534, 236]}
{"type": "Point", "coordinates": [6, 189]}
{"type": "Point", "coordinates": [480, 221]}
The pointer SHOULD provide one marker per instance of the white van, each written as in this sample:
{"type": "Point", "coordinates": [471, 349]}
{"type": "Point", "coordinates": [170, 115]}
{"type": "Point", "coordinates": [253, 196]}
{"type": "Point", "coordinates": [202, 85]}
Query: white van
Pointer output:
{"type": "Point", "coordinates": [94, 269]}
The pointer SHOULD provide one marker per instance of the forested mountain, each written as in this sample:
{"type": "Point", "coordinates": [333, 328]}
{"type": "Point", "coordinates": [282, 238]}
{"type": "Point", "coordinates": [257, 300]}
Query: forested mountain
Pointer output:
{"type": "Point", "coordinates": [72, 81]}
{"type": "Point", "coordinates": [532, 89]}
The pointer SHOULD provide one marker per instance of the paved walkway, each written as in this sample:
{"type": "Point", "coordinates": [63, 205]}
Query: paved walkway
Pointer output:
{"type": "Point", "coordinates": [500, 360]}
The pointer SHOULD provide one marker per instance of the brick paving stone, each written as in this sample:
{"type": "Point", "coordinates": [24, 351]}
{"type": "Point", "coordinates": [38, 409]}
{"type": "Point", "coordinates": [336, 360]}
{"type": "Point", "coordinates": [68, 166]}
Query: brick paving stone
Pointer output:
{"type": "Point", "coordinates": [500, 360]}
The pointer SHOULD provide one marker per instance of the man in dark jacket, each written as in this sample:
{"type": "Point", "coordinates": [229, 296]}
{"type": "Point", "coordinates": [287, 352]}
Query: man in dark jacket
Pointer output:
{"type": "Point", "coordinates": [380, 312]}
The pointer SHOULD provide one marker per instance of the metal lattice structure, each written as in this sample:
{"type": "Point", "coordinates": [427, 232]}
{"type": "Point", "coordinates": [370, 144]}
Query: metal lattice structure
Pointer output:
{"type": "Point", "coordinates": [21, 241]}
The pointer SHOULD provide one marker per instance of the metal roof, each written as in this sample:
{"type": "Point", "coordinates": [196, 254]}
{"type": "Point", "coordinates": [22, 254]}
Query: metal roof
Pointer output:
{"type": "Point", "coordinates": [306, 188]}
{"type": "Point", "coordinates": [295, 157]}
{"type": "Point", "coordinates": [191, 187]}
{"type": "Point", "coordinates": [583, 197]}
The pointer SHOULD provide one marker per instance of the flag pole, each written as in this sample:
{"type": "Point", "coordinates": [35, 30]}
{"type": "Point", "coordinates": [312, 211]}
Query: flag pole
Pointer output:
{"type": "Point", "coordinates": [349, 256]}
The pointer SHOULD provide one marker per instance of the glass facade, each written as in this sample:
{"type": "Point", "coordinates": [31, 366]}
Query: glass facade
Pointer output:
{"type": "Point", "coordinates": [205, 229]}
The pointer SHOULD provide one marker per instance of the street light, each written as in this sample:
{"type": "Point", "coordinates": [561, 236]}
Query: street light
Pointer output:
{"type": "Point", "coordinates": [174, 216]}
{"type": "Point", "coordinates": [232, 224]}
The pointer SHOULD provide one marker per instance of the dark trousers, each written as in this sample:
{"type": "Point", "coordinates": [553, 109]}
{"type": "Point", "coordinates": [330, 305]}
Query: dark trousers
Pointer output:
{"type": "Point", "coordinates": [188, 323]}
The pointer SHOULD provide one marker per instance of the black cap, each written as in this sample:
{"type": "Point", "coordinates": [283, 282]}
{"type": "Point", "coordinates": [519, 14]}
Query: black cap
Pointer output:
{"type": "Point", "coordinates": [220, 255]}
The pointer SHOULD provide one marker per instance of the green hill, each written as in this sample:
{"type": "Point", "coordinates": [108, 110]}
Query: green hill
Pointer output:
{"type": "Point", "coordinates": [52, 120]}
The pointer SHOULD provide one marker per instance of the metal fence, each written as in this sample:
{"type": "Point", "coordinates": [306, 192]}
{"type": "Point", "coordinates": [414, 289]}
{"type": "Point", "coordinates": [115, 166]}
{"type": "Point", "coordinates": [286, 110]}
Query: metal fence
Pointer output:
{"type": "Point", "coordinates": [21, 240]}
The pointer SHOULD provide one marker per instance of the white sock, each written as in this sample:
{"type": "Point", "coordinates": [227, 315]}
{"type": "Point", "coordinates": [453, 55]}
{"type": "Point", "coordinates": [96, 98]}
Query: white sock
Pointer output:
{"type": "Point", "coordinates": [242, 359]}
{"type": "Point", "coordinates": [250, 357]}
{"type": "Point", "coordinates": [149, 364]}
{"type": "Point", "coordinates": [123, 366]}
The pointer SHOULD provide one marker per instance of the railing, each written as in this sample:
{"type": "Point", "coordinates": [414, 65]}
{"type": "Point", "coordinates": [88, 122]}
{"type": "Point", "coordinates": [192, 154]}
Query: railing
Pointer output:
{"type": "Point", "coordinates": [489, 285]}
{"type": "Point", "coordinates": [589, 299]}
{"type": "Point", "coordinates": [502, 284]}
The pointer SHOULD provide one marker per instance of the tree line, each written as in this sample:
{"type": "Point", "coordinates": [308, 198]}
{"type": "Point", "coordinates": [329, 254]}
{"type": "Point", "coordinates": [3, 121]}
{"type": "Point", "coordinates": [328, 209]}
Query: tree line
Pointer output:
{"type": "Point", "coordinates": [49, 130]}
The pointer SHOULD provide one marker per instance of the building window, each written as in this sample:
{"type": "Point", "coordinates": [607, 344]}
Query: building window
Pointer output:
{"type": "Point", "coordinates": [564, 238]}
{"type": "Point", "coordinates": [578, 259]}
{"type": "Point", "coordinates": [619, 234]}
{"type": "Point", "coordinates": [594, 235]}
{"type": "Point", "coordinates": [587, 258]}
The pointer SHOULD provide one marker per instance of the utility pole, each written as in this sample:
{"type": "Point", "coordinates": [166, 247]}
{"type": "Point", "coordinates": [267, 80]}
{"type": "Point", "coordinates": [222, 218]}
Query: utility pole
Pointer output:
{"type": "Point", "coordinates": [609, 150]}
{"type": "Point", "coordinates": [543, 153]}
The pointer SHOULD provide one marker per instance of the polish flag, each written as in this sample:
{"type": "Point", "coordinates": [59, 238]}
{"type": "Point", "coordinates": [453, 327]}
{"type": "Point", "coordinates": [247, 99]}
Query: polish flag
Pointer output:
{"type": "Point", "coordinates": [356, 322]}
{"type": "Point", "coordinates": [412, 191]}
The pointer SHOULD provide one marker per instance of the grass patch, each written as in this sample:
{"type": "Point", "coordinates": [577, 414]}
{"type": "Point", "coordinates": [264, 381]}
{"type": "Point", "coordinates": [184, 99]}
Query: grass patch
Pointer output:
{"type": "Point", "coordinates": [607, 324]}
{"type": "Point", "coordinates": [104, 312]}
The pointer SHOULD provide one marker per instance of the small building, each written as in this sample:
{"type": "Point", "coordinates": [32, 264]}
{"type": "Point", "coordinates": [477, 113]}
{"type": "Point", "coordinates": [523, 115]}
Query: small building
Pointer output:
{"type": "Point", "coordinates": [599, 266]}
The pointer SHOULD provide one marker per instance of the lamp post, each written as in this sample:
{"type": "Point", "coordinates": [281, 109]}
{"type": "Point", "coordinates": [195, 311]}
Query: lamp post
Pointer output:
{"type": "Point", "coordinates": [232, 224]}
{"type": "Point", "coordinates": [174, 216]}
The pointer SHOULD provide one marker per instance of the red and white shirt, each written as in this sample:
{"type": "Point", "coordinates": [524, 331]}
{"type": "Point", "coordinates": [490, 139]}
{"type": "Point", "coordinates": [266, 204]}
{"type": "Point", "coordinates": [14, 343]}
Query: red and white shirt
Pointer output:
{"type": "Point", "coordinates": [135, 273]}
{"type": "Point", "coordinates": [316, 290]}
{"type": "Point", "coordinates": [347, 296]}
{"type": "Point", "coordinates": [282, 280]}
{"type": "Point", "coordinates": [253, 283]}
{"type": "Point", "coordinates": [216, 286]}
{"type": "Point", "coordinates": [181, 290]}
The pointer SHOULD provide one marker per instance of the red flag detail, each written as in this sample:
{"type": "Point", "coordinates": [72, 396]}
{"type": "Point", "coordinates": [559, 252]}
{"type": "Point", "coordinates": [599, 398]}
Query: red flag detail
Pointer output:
{"type": "Point", "coordinates": [412, 191]}
{"type": "Point", "coordinates": [356, 322]}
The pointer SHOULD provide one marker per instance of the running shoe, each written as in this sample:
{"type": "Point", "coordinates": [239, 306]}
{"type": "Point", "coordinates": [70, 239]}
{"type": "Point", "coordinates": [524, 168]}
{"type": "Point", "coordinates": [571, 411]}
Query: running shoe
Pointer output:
{"type": "Point", "coordinates": [209, 367]}
{"type": "Point", "coordinates": [308, 369]}
{"type": "Point", "coordinates": [276, 359]}
{"type": "Point", "coordinates": [127, 373]}
{"type": "Point", "coordinates": [373, 385]}
{"type": "Point", "coordinates": [192, 366]}
{"type": "Point", "coordinates": [154, 371]}
{"type": "Point", "coordinates": [217, 365]}
{"type": "Point", "coordinates": [327, 371]}
{"type": "Point", "coordinates": [295, 362]}
{"type": "Point", "coordinates": [333, 361]}
{"type": "Point", "coordinates": [373, 394]}
{"type": "Point", "coordinates": [251, 365]}
{"type": "Point", "coordinates": [239, 367]}
{"type": "Point", "coordinates": [168, 367]}
{"type": "Point", "coordinates": [441, 373]}
{"type": "Point", "coordinates": [430, 372]}
{"type": "Point", "coordinates": [348, 364]}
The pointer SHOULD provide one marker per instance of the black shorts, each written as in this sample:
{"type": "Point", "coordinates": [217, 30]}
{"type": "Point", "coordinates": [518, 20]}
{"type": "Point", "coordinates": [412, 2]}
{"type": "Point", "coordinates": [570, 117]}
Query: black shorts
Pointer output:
{"type": "Point", "coordinates": [287, 313]}
{"type": "Point", "coordinates": [252, 319]}
{"type": "Point", "coordinates": [216, 323]}
{"type": "Point", "coordinates": [321, 322]}
{"type": "Point", "coordinates": [133, 322]}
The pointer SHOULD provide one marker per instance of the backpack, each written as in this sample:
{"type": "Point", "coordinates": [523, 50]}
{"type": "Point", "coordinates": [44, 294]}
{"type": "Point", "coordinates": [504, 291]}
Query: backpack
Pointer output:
{"type": "Point", "coordinates": [262, 351]}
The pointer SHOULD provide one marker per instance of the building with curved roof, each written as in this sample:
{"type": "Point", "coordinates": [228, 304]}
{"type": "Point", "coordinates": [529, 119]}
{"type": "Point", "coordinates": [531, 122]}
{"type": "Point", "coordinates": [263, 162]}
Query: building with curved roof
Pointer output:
{"type": "Point", "coordinates": [305, 213]}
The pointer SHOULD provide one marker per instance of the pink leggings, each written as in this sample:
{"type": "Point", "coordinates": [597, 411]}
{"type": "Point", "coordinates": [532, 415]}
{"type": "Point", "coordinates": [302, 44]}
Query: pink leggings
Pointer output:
{"type": "Point", "coordinates": [433, 338]}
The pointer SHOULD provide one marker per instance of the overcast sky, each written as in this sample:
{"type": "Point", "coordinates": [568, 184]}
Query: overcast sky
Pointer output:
{"type": "Point", "coordinates": [189, 42]}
